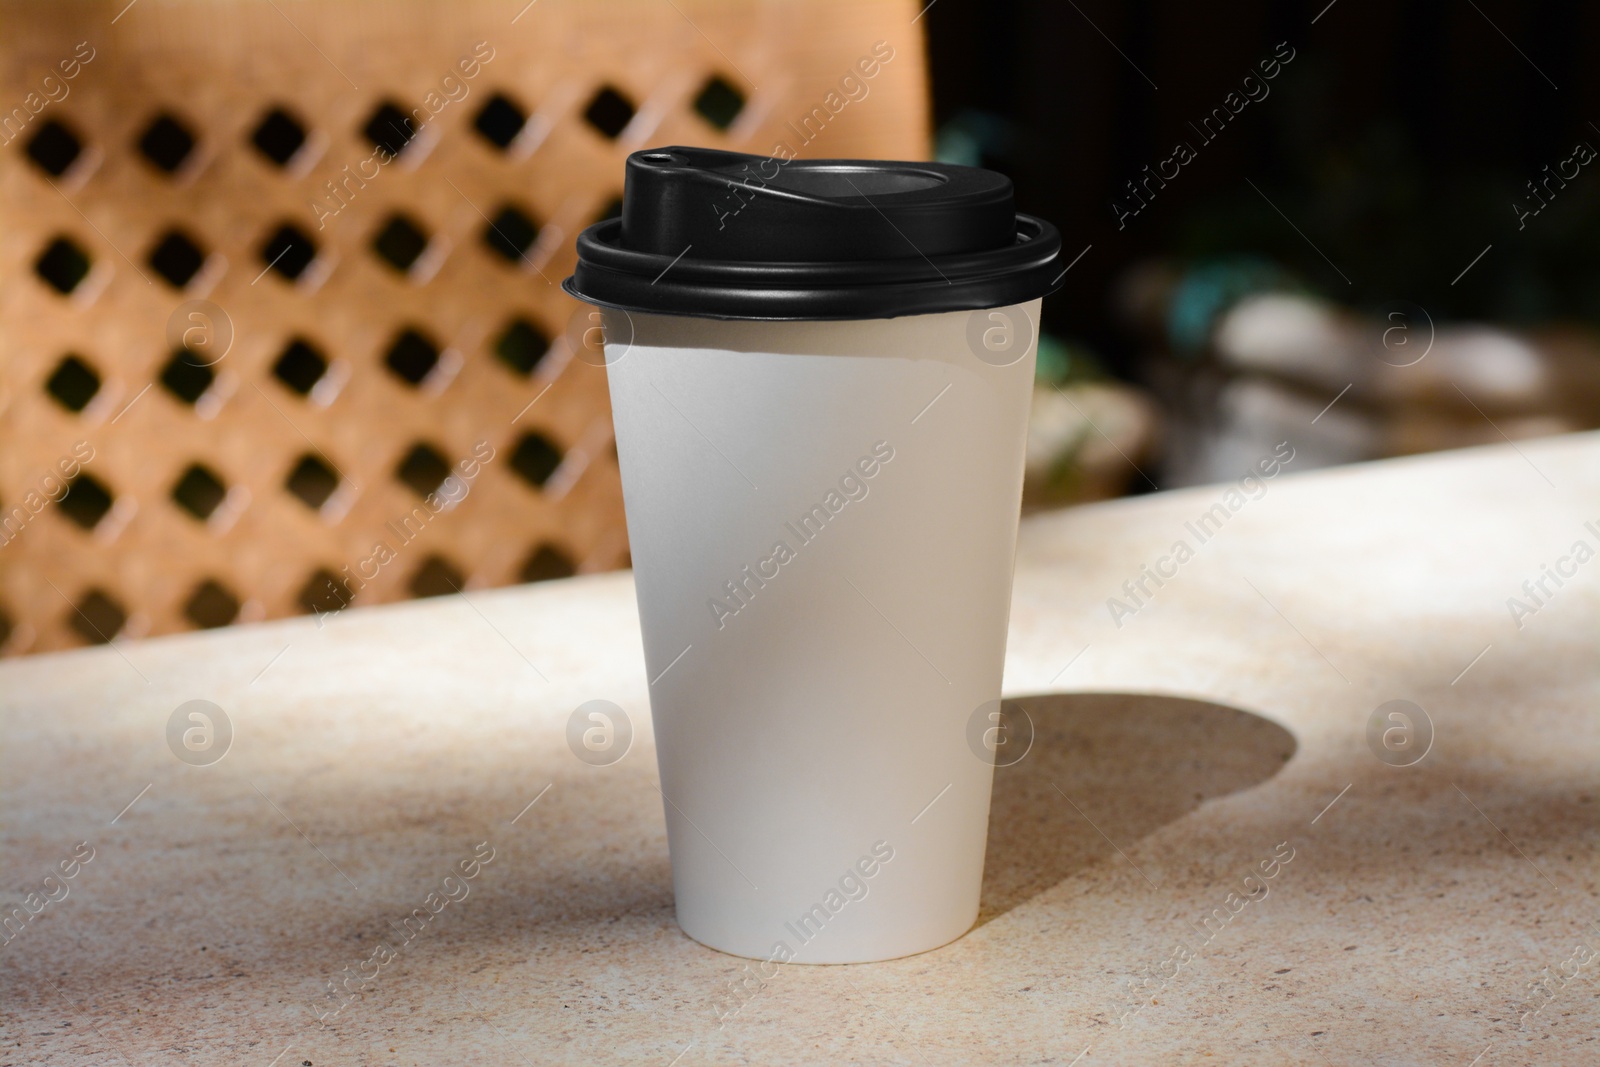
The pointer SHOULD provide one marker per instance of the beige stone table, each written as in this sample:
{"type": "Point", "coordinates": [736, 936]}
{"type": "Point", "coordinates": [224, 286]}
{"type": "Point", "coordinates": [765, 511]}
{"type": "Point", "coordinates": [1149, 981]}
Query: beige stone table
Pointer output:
{"type": "Point", "coordinates": [1222, 726]}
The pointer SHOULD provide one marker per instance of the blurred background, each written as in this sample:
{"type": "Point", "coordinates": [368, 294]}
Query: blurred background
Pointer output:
{"type": "Point", "coordinates": [280, 325]}
{"type": "Point", "coordinates": [1394, 210]}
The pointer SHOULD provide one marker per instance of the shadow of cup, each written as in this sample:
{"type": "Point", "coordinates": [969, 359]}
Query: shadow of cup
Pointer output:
{"type": "Point", "coordinates": [1117, 766]}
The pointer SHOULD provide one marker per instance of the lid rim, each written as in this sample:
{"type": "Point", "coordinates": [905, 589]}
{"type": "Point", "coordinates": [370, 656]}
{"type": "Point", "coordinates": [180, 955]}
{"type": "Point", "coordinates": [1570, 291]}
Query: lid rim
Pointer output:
{"type": "Point", "coordinates": [838, 311]}
{"type": "Point", "coordinates": [608, 276]}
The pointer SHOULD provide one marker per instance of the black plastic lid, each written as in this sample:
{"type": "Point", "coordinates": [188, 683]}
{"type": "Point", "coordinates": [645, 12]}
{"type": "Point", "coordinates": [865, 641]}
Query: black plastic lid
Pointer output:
{"type": "Point", "coordinates": [731, 236]}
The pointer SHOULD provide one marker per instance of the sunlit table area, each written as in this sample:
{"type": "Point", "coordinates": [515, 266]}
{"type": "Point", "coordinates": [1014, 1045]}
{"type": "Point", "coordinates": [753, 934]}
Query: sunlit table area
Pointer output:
{"type": "Point", "coordinates": [1324, 790]}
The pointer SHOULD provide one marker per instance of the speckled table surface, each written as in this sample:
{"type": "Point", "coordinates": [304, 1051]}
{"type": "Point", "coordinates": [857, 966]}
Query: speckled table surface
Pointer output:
{"type": "Point", "coordinates": [1440, 912]}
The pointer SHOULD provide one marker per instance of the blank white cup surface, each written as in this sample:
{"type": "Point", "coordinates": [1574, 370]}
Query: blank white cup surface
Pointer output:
{"type": "Point", "coordinates": [823, 804]}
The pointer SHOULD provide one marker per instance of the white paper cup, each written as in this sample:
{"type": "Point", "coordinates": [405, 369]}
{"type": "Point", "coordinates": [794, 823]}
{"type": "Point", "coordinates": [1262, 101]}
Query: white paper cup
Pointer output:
{"type": "Point", "coordinates": [820, 377]}
{"type": "Point", "coordinates": [823, 521]}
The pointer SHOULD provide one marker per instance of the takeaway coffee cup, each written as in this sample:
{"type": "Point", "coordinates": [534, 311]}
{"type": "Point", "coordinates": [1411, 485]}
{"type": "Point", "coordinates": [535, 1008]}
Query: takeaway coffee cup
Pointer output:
{"type": "Point", "coordinates": [820, 375]}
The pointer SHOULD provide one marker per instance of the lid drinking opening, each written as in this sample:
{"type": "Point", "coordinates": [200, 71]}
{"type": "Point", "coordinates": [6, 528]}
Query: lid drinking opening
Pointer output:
{"type": "Point", "coordinates": [852, 181]}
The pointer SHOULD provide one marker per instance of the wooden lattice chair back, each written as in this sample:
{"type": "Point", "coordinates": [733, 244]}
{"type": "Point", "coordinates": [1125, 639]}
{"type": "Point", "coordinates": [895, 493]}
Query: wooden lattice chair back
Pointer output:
{"type": "Point", "coordinates": [280, 318]}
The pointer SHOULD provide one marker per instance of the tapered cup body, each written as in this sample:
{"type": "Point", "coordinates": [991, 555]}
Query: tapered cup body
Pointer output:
{"type": "Point", "coordinates": [823, 519]}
